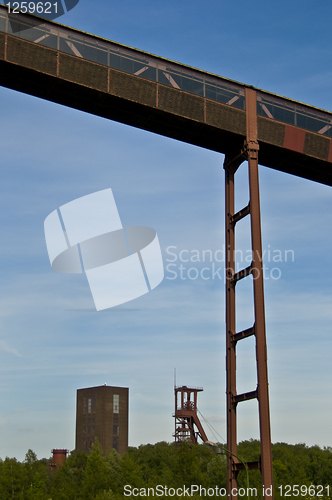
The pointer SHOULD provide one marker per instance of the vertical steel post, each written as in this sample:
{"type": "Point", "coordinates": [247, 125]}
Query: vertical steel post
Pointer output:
{"type": "Point", "coordinates": [258, 284]}
{"type": "Point", "coordinates": [230, 325]}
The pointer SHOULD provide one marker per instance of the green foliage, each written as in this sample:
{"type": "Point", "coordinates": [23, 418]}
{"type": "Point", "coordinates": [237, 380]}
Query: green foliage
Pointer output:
{"type": "Point", "coordinates": [156, 462]}
{"type": "Point", "coordinates": [216, 471]}
{"type": "Point", "coordinates": [97, 473]}
{"type": "Point", "coordinates": [36, 476]}
{"type": "Point", "coordinates": [66, 482]}
{"type": "Point", "coordinates": [13, 480]}
{"type": "Point", "coordinates": [96, 477]}
{"type": "Point", "coordinates": [105, 495]}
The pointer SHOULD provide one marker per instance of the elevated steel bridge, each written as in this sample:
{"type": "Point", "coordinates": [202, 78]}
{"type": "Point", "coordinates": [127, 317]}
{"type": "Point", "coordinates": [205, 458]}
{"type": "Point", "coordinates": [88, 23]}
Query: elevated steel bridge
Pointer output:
{"type": "Point", "coordinates": [105, 78]}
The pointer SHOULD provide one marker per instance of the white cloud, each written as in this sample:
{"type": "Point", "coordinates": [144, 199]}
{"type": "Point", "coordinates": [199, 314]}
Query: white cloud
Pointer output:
{"type": "Point", "coordinates": [4, 346]}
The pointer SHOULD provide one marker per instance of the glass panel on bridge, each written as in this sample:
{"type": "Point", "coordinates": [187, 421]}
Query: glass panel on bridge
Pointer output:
{"type": "Point", "coordinates": [163, 78]}
{"type": "Point", "coordinates": [47, 40]}
{"type": "Point", "coordinates": [115, 60]}
{"type": "Point", "coordinates": [14, 27]}
{"type": "Point", "coordinates": [2, 23]}
{"type": "Point", "coordinates": [127, 65]}
{"type": "Point", "coordinates": [276, 111]}
{"type": "Point", "coordinates": [224, 95]}
{"type": "Point", "coordinates": [173, 78]}
{"type": "Point", "coordinates": [309, 122]}
{"type": "Point", "coordinates": [95, 53]}
{"type": "Point", "coordinates": [193, 85]}
{"type": "Point", "coordinates": [150, 73]}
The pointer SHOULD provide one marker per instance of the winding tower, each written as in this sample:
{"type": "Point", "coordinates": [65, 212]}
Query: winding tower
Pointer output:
{"type": "Point", "coordinates": [187, 424]}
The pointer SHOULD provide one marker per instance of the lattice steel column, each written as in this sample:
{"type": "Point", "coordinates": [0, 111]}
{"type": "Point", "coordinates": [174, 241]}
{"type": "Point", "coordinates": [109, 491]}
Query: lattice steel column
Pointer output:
{"type": "Point", "coordinates": [249, 153]}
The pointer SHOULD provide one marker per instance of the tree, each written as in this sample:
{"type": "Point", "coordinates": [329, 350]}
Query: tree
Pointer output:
{"type": "Point", "coordinates": [66, 482]}
{"type": "Point", "coordinates": [97, 473]}
{"type": "Point", "coordinates": [36, 477]}
{"type": "Point", "coordinates": [12, 480]}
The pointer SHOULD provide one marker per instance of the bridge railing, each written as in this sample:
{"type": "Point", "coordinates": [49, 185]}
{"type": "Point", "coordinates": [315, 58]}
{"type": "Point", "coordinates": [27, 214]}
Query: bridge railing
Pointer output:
{"type": "Point", "coordinates": [160, 70]}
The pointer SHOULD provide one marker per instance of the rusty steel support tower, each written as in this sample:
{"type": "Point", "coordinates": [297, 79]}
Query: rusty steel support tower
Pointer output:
{"type": "Point", "coordinates": [186, 418]}
{"type": "Point", "coordinates": [248, 153]}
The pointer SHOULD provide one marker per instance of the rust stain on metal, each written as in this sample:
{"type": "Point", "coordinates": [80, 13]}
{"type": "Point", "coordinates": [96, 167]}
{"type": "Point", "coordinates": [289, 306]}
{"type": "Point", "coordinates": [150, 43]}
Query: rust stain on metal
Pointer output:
{"type": "Point", "coordinates": [294, 138]}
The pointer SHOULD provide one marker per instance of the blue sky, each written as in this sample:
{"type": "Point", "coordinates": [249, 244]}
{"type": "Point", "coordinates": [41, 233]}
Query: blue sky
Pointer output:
{"type": "Point", "coordinates": [51, 343]}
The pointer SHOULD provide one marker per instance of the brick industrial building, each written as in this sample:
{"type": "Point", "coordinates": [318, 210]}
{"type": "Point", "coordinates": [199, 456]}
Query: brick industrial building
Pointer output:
{"type": "Point", "coordinates": [102, 412]}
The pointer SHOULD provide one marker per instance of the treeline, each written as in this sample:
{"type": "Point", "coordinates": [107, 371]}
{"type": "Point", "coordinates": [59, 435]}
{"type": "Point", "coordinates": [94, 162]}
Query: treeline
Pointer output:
{"type": "Point", "coordinates": [95, 477]}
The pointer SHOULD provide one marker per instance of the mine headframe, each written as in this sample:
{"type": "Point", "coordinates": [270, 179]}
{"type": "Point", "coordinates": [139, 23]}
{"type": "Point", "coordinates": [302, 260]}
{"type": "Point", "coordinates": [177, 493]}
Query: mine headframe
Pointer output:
{"type": "Point", "coordinates": [187, 424]}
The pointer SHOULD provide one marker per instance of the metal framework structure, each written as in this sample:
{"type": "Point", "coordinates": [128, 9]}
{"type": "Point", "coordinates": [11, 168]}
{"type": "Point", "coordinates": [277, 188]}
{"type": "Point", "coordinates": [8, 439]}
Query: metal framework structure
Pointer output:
{"type": "Point", "coordinates": [187, 424]}
{"type": "Point", "coordinates": [97, 76]}
{"type": "Point", "coordinates": [249, 153]}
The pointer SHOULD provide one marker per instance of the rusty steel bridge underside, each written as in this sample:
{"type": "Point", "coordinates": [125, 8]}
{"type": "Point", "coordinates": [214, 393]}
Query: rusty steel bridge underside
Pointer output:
{"type": "Point", "coordinates": [94, 75]}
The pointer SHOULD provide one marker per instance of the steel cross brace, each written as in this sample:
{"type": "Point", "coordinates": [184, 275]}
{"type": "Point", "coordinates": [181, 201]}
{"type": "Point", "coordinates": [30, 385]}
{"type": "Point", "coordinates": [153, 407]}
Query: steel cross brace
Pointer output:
{"type": "Point", "coordinates": [249, 153]}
